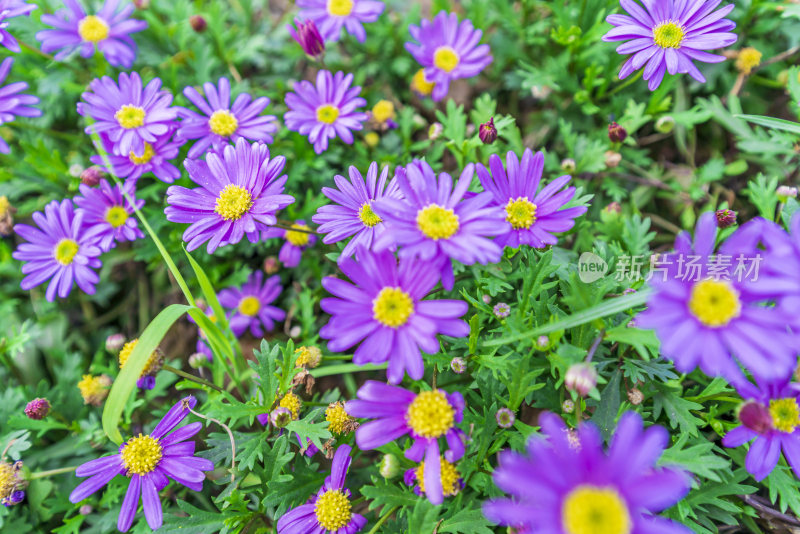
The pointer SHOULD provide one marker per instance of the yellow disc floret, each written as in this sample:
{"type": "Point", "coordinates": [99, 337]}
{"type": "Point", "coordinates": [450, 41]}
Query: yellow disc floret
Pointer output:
{"type": "Point", "coordinates": [392, 307]}
{"type": "Point", "coordinates": [714, 302]}
{"type": "Point", "coordinates": [154, 361]}
{"type": "Point", "coordinates": [8, 480]}
{"type": "Point", "coordinates": [747, 59]}
{"type": "Point", "coordinates": [309, 357]}
{"type": "Point", "coordinates": [594, 510]}
{"type": "Point", "coordinates": [420, 84]}
{"type": "Point", "coordinates": [233, 202]}
{"type": "Point", "coordinates": [130, 116]}
{"type": "Point", "coordinates": [93, 29]}
{"type": "Point", "coordinates": [437, 222]}
{"type": "Point", "coordinates": [146, 156]}
{"type": "Point", "coordinates": [116, 216]}
{"type": "Point", "coordinates": [668, 34]}
{"type": "Point", "coordinates": [785, 414]}
{"type": "Point", "coordinates": [65, 251]}
{"type": "Point", "coordinates": [430, 415]}
{"type": "Point", "coordinates": [333, 510]}
{"type": "Point", "coordinates": [383, 111]}
{"type": "Point", "coordinates": [141, 455]}
{"type": "Point", "coordinates": [520, 212]}
{"type": "Point", "coordinates": [368, 217]}
{"type": "Point", "coordinates": [340, 8]}
{"type": "Point", "coordinates": [249, 306]}
{"type": "Point", "coordinates": [339, 421]}
{"type": "Point", "coordinates": [445, 58]}
{"type": "Point", "coordinates": [291, 402]}
{"type": "Point", "coordinates": [327, 113]}
{"type": "Point", "coordinates": [451, 480]}
{"type": "Point", "coordinates": [94, 389]}
{"type": "Point", "coordinates": [298, 239]}
{"type": "Point", "coordinates": [223, 122]}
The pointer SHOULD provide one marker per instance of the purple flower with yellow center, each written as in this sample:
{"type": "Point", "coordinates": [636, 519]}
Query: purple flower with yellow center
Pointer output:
{"type": "Point", "coordinates": [62, 249]}
{"type": "Point", "coordinates": [156, 159]}
{"type": "Point", "coordinates": [154, 363]}
{"type": "Point", "coordinates": [107, 31]}
{"type": "Point", "coordinates": [325, 110]}
{"type": "Point", "coordinates": [147, 461]}
{"type": "Point", "coordinates": [219, 122]}
{"type": "Point", "coordinates": [299, 238]}
{"type": "Point", "coordinates": [108, 212]}
{"type": "Point", "coordinates": [240, 191]}
{"type": "Point", "coordinates": [448, 50]}
{"type": "Point", "coordinates": [669, 35]}
{"type": "Point", "coordinates": [13, 104]}
{"type": "Point", "coordinates": [332, 15]}
{"type": "Point", "coordinates": [251, 304]}
{"type": "Point", "coordinates": [572, 486]}
{"type": "Point", "coordinates": [771, 417]}
{"type": "Point", "coordinates": [450, 479]}
{"type": "Point", "coordinates": [384, 310]}
{"type": "Point", "coordinates": [330, 510]}
{"type": "Point", "coordinates": [533, 214]}
{"type": "Point", "coordinates": [426, 417]}
{"type": "Point", "coordinates": [435, 222]}
{"type": "Point", "coordinates": [708, 310]}
{"type": "Point", "coordinates": [8, 10]}
{"type": "Point", "coordinates": [352, 214]}
{"type": "Point", "coordinates": [129, 115]}
{"type": "Point", "coordinates": [11, 483]}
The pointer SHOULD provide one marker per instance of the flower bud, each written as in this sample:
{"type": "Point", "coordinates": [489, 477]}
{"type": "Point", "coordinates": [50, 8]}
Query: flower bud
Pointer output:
{"type": "Point", "coordinates": [7, 212]}
{"type": "Point", "coordinates": [458, 365]}
{"type": "Point", "coordinates": [371, 139]}
{"type": "Point", "coordinates": [785, 192]}
{"type": "Point", "coordinates": [501, 310]}
{"type": "Point", "coordinates": [568, 406]}
{"type": "Point", "coordinates": [486, 299]}
{"type": "Point", "coordinates": [612, 159]}
{"type": "Point", "coordinates": [280, 417]}
{"type": "Point", "coordinates": [271, 265]}
{"type": "Point", "coordinates": [435, 131]}
{"type": "Point", "coordinates": [542, 342]}
{"type": "Point", "coordinates": [37, 408]}
{"type": "Point", "coordinates": [487, 132]}
{"type": "Point", "coordinates": [635, 396]}
{"type": "Point", "coordinates": [389, 466]}
{"type": "Point", "coordinates": [295, 331]}
{"type": "Point", "coordinates": [568, 165]}
{"type": "Point", "coordinates": [755, 416]}
{"type": "Point", "coordinates": [198, 360]}
{"type": "Point", "coordinates": [505, 418]}
{"type": "Point", "coordinates": [141, 4]}
{"type": "Point", "coordinates": [91, 176]}
{"type": "Point", "coordinates": [114, 342]}
{"type": "Point", "coordinates": [308, 37]}
{"type": "Point", "coordinates": [581, 378]}
{"type": "Point", "coordinates": [616, 133]}
{"type": "Point", "coordinates": [308, 357]}
{"type": "Point", "coordinates": [725, 218]}
{"type": "Point", "coordinates": [86, 509]}
{"type": "Point", "coordinates": [199, 23]}
{"type": "Point", "coordinates": [665, 124]}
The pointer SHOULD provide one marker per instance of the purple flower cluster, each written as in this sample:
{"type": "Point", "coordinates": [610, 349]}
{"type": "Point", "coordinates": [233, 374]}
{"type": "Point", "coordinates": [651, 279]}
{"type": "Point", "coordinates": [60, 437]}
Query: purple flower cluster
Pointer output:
{"type": "Point", "coordinates": [13, 104]}
{"type": "Point", "coordinates": [10, 9]}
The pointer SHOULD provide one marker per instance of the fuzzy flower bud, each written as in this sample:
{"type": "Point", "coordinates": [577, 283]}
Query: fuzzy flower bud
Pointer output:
{"type": "Point", "coordinates": [568, 165]}
{"type": "Point", "coordinates": [199, 23]}
{"type": "Point", "coordinates": [665, 124]}
{"type": "Point", "coordinates": [542, 342]}
{"type": "Point", "coordinates": [616, 133]}
{"type": "Point", "coordinates": [568, 406]}
{"type": "Point", "coordinates": [92, 176]}
{"type": "Point", "coordinates": [458, 365]}
{"type": "Point", "coordinates": [308, 37]}
{"type": "Point", "coordinates": [271, 265]}
{"type": "Point", "coordinates": [486, 299]}
{"type": "Point", "coordinates": [280, 417]}
{"type": "Point", "coordinates": [725, 218]}
{"type": "Point", "coordinates": [636, 396]}
{"type": "Point", "coordinates": [389, 466]}
{"type": "Point", "coordinates": [501, 310]}
{"type": "Point", "coordinates": [198, 360]}
{"type": "Point", "coordinates": [785, 192]}
{"type": "Point", "coordinates": [37, 408]}
{"type": "Point", "coordinates": [435, 131]}
{"type": "Point", "coordinates": [505, 418]}
{"type": "Point", "coordinates": [747, 59]}
{"type": "Point", "coordinates": [114, 342]}
{"type": "Point", "coordinates": [488, 132]}
{"type": "Point", "coordinates": [86, 509]}
{"type": "Point", "coordinates": [581, 378]}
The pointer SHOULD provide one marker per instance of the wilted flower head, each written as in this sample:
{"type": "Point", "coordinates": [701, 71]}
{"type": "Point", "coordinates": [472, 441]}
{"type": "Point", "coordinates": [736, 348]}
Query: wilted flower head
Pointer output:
{"type": "Point", "coordinates": [747, 59]}
{"type": "Point", "coordinates": [339, 421]}
{"type": "Point", "coordinates": [151, 368]}
{"type": "Point", "coordinates": [94, 389]}
{"type": "Point", "coordinates": [635, 396]}
{"type": "Point", "coordinates": [11, 483]}
{"type": "Point", "coordinates": [7, 212]}
{"type": "Point", "coordinates": [308, 37]}
{"type": "Point", "coordinates": [37, 408]}
{"type": "Point", "coordinates": [308, 357]}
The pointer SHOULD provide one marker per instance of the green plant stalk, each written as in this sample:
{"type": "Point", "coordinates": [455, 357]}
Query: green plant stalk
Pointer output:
{"type": "Point", "coordinates": [190, 377]}
{"type": "Point", "coordinates": [45, 474]}
{"type": "Point", "coordinates": [383, 520]}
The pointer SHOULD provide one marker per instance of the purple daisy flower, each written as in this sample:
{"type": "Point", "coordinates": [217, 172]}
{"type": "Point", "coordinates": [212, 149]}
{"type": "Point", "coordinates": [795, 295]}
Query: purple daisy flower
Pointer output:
{"type": "Point", "coordinates": [108, 31]}
{"type": "Point", "coordinates": [352, 214]}
{"type": "Point", "coordinates": [707, 310]}
{"type": "Point", "coordinates": [147, 460]}
{"type": "Point", "coordinates": [12, 103]}
{"type": "Point", "coordinates": [156, 159]}
{"type": "Point", "coordinates": [296, 241]}
{"type": "Point", "coordinates": [251, 304]}
{"type": "Point", "coordinates": [448, 50]}
{"type": "Point", "coordinates": [8, 10]}
{"type": "Point", "coordinates": [569, 484]}
{"type": "Point", "coordinates": [220, 122]}
{"type": "Point", "coordinates": [108, 213]}
{"type": "Point", "coordinates": [384, 309]}
{"type": "Point", "coordinates": [667, 35]}
{"type": "Point", "coordinates": [425, 417]}
{"type": "Point", "coordinates": [331, 15]}
{"type": "Point", "coordinates": [240, 191]}
{"type": "Point", "coordinates": [434, 222]}
{"type": "Point", "coordinates": [330, 510]}
{"type": "Point", "coordinates": [63, 249]}
{"type": "Point", "coordinates": [326, 110]}
{"type": "Point", "coordinates": [771, 417]}
{"type": "Point", "coordinates": [129, 115]}
{"type": "Point", "coordinates": [450, 479]}
{"type": "Point", "coordinates": [533, 214]}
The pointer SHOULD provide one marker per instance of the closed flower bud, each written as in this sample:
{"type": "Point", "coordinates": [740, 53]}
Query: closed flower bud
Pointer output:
{"type": "Point", "coordinates": [271, 265]}
{"type": "Point", "coordinates": [636, 396]}
{"type": "Point", "coordinates": [199, 23]}
{"type": "Point", "coordinates": [612, 158]}
{"type": "Point", "coordinates": [542, 342]}
{"type": "Point", "coordinates": [755, 416]}
{"type": "Point", "coordinates": [501, 310]}
{"type": "Point", "coordinates": [91, 176]}
{"type": "Point", "coordinates": [141, 4]}
{"type": "Point", "coordinates": [86, 509]}
{"type": "Point", "coordinates": [568, 165]}
{"type": "Point", "coordinates": [665, 124]}
{"type": "Point", "coordinates": [37, 408]}
{"type": "Point", "coordinates": [613, 208]}
{"type": "Point", "coordinates": [389, 466]}
{"type": "Point", "coordinates": [486, 299]}
{"type": "Point", "coordinates": [785, 192]}
{"type": "Point", "coordinates": [114, 342]}
{"type": "Point", "coordinates": [505, 418]}
{"type": "Point", "coordinates": [435, 131]}
{"type": "Point", "coordinates": [198, 360]}
{"type": "Point", "coordinates": [487, 132]}
{"type": "Point", "coordinates": [308, 37]}
{"type": "Point", "coordinates": [458, 365]}
{"type": "Point", "coordinates": [280, 417]}
{"type": "Point", "coordinates": [568, 406]}
{"type": "Point", "coordinates": [725, 218]}
{"type": "Point", "coordinates": [616, 133]}
{"type": "Point", "coordinates": [581, 378]}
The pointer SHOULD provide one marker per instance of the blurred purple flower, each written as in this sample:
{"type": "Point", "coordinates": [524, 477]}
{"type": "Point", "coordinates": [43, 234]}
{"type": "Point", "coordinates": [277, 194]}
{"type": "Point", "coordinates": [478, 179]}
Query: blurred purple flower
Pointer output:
{"type": "Point", "coordinates": [108, 213]}
{"type": "Point", "coordinates": [12, 103]}
{"type": "Point", "coordinates": [331, 15]}
{"type": "Point", "coordinates": [251, 304]}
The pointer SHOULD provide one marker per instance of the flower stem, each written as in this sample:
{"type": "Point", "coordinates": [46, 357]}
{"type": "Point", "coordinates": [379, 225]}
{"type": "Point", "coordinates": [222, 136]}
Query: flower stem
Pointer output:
{"type": "Point", "coordinates": [193, 378]}
{"type": "Point", "coordinates": [45, 474]}
{"type": "Point", "coordinates": [383, 520]}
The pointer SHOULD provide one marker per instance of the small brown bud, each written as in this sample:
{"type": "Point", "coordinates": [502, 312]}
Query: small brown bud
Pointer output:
{"type": "Point", "coordinates": [199, 23]}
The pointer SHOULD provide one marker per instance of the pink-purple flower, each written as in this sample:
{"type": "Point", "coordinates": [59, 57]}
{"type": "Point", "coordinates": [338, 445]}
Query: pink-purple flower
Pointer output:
{"type": "Point", "coordinates": [156, 159]}
{"type": "Point", "coordinates": [333, 15]}
{"type": "Point", "coordinates": [308, 37]}
{"type": "Point", "coordinates": [108, 213]}
{"type": "Point", "coordinates": [8, 10]}
{"type": "Point", "coordinates": [296, 240]}
{"type": "Point", "coordinates": [13, 103]}
{"type": "Point", "coordinates": [251, 304]}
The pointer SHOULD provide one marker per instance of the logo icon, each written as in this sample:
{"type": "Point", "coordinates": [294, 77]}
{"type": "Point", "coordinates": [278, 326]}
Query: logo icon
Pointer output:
{"type": "Point", "coordinates": [591, 267]}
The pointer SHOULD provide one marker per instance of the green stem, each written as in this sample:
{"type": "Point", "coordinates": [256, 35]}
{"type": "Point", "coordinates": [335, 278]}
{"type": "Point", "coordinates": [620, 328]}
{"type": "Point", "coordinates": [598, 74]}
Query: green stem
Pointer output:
{"type": "Point", "coordinates": [45, 474]}
{"type": "Point", "coordinates": [193, 378]}
{"type": "Point", "coordinates": [382, 520]}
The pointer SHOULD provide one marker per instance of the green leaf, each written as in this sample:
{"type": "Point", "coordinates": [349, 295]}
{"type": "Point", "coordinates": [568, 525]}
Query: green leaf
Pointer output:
{"type": "Point", "coordinates": [383, 493]}
{"type": "Point", "coordinates": [208, 292]}
{"type": "Point", "coordinates": [678, 409]}
{"type": "Point", "coordinates": [307, 429]}
{"type": "Point", "coordinates": [606, 414]}
{"type": "Point", "coordinates": [466, 522]}
{"type": "Point", "coordinates": [771, 122]}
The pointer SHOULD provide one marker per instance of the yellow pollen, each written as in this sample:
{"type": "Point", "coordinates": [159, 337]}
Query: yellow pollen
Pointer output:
{"type": "Point", "coordinates": [141, 455]}
{"type": "Point", "coordinates": [94, 389]}
{"type": "Point", "coordinates": [368, 217]}
{"type": "Point", "coordinates": [65, 251]}
{"type": "Point", "coordinates": [222, 122]}
{"type": "Point", "coordinates": [392, 307]}
{"type": "Point", "coordinates": [668, 34]}
{"type": "Point", "coordinates": [291, 402]}
{"type": "Point", "coordinates": [333, 510]}
{"type": "Point", "coordinates": [593, 510]}
{"type": "Point", "coordinates": [154, 361]}
{"type": "Point", "coordinates": [116, 216]}
{"type": "Point", "coordinates": [8, 480]}
{"type": "Point", "coordinates": [145, 157]}
{"type": "Point", "coordinates": [520, 212]}
{"type": "Point", "coordinates": [338, 419]}
{"type": "Point", "coordinates": [437, 222]}
{"type": "Point", "coordinates": [129, 116]}
{"type": "Point", "coordinates": [449, 475]}
{"type": "Point", "coordinates": [420, 83]}
{"type": "Point", "coordinates": [747, 59]}
{"type": "Point", "coordinates": [430, 415]}
{"type": "Point", "coordinates": [445, 58]}
{"type": "Point", "coordinates": [4, 205]}
{"type": "Point", "coordinates": [93, 29]}
{"type": "Point", "coordinates": [714, 302]}
{"type": "Point", "coordinates": [309, 357]}
{"type": "Point", "coordinates": [249, 306]}
{"type": "Point", "coordinates": [383, 111]}
{"type": "Point", "coordinates": [340, 8]}
{"type": "Point", "coordinates": [298, 239]}
{"type": "Point", "coordinates": [785, 414]}
{"type": "Point", "coordinates": [327, 113]}
{"type": "Point", "coordinates": [233, 202]}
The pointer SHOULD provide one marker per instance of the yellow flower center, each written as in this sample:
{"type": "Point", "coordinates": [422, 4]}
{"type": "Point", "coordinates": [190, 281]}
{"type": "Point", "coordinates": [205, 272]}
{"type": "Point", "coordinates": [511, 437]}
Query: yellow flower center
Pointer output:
{"type": "Point", "coordinates": [449, 476]}
{"type": "Point", "coordinates": [437, 222]}
{"type": "Point", "coordinates": [222, 122]}
{"type": "Point", "coordinates": [249, 306]}
{"type": "Point", "coordinates": [291, 402]}
{"type": "Point", "coordinates": [333, 510]}
{"type": "Point", "coordinates": [298, 239]}
{"type": "Point", "coordinates": [785, 414]}
{"type": "Point", "coordinates": [392, 307]}
{"type": "Point", "coordinates": [327, 113]}
{"type": "Point", "coordinates": [141, 455]}
{"type": "Point", "coordinates": [445, 58]}
{"type": "Point", "coordinates": [340, 8]}
{"type": "Point", "coordinates": [116, 216]}
{"type": "Point", "coordinates": [8, 480]}
{"type": "Point", "coordinates": [233, 202]}
{"type": "Point", "coordinates": [593, 510]}
{"type": "Point", "coordinates": [368, 217]}
{"type": "Point", "coordinates": [338, 419]}
{"type": "Point", "coordinates": [668, 35]}
{"type": "Point", "coordinates": [430, 415]}
{"type": "Point", "coordinates": [420, 83]}
{"type": "Point", "coordinates": [93, 388]}
{"type": "Point", "coordinates": [747, 59]}
{"type": "Point", "coordinates": [383, 111]}
{"type": "Point", "coordinates": [146, 156]}
{"type": "Point", "coordinates": [309, 357]}
{"type": "Point", "coordinates": [65, 251]}
{"type": "Point", "coordinates": [129, 116]}
{"type": "Point", "coordinates": [4, 205]}
{"type": "Point", "coordinates": [521, 213]}
{"type": "Point", "coordinates": [714, 302]}
{"type": "Point", "coordinates": [154, 361]}
{"type": "Point", "coordinates": [93, 29]}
